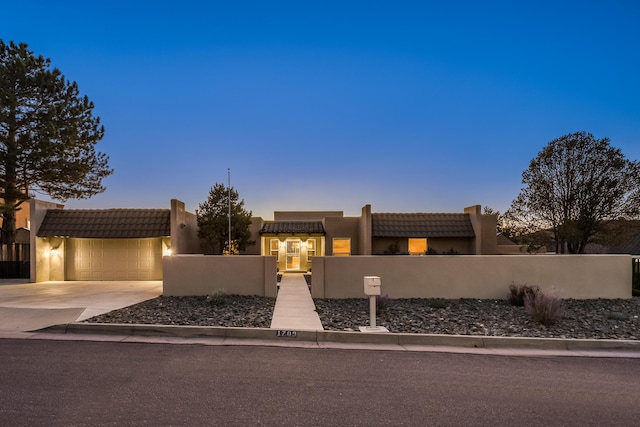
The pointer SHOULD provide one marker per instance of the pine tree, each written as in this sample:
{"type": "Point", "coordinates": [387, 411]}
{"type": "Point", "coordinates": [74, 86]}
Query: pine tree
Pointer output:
{"type": "Point", "coordinates": [47, 135]}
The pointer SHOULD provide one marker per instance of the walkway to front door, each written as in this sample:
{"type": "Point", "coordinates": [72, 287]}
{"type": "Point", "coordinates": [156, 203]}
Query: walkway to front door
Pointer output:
{"type": "Point", "coordinates": [294, 309]}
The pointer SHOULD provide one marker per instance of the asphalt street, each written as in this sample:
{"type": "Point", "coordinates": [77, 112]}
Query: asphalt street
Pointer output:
{"type": "Point", "coordinates": [48, 382]}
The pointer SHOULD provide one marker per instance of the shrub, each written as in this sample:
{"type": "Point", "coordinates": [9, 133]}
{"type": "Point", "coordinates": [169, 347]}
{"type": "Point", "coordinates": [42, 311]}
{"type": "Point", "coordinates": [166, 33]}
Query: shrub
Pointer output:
{"type": "Point", "coordinates": [544, 309]}
{"type": "Point", "coordinates": [217, 297]}
{"type": "Point", "coordinates": [438, 303]}
{"type": "Point", "coordinates": [517, 294]}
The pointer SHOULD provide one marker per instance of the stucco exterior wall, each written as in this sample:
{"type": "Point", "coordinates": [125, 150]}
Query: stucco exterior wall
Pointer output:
{"type": "Point", "coordinates": [305, 215]}
{"type": "Point", "coordinates": [365, 231]}
{"type": "Point", "coordinates": [342, 227]}
{"type": "Point", "coordinates": [254, 228]}
{"type": "Point", "coordinates": [40, 268]}
{"type": "Point", "coordinates": [184, 230]}
{"type": "Point", "coordinates": [474, 276]}
{"type": "Point", "coordinates": [185, 275]}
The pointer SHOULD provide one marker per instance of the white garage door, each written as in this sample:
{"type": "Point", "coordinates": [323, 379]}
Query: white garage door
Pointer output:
{"type": "Point", "coordinates": [114, 259]}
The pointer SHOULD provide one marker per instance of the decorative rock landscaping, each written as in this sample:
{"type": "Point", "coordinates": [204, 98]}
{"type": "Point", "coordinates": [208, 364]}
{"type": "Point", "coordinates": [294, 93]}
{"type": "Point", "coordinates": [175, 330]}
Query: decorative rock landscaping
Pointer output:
{"type": "Point", "coordinates": [602, 319]}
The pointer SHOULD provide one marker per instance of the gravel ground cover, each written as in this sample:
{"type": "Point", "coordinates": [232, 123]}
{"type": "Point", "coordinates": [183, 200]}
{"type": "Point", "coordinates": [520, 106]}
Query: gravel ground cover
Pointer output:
{"type": "Point", "coordinates": [604, 319]}
{"type": "Point", "coordinates": [231, 311]}
{"type": "Point", "coordinates": [612, 319]}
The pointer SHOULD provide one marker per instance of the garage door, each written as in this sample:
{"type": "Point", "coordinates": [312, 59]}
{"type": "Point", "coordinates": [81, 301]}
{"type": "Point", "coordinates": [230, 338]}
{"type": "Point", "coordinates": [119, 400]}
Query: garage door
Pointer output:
{"type": "Point", "coordinates": [114, 259]}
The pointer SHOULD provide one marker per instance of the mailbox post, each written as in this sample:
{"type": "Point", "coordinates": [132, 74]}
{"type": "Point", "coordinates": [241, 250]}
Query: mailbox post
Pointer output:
{"type": "Point", "coordinates": [372, 288]}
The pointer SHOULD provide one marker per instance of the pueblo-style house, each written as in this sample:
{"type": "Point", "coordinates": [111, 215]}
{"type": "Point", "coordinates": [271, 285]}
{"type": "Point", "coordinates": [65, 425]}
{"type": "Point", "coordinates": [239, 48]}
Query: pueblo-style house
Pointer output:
{"type": "Point", "coordinates": [129, 244]}
{"type": "Point", "coordinates": [294, 238]}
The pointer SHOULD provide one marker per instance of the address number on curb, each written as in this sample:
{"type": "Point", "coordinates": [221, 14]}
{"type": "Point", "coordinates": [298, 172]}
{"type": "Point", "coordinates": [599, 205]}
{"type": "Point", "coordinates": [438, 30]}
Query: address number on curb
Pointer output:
{"type": "Point", "coordinates": [281, 333]}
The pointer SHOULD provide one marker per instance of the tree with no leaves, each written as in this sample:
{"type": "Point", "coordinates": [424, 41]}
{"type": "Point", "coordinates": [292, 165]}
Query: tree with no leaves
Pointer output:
{"type": "Point", "coordinates": [47, 135]}
{"type": "Point", "coordinates": [213, 221]}
{"type": "Point", "coordinates": [573, 187]}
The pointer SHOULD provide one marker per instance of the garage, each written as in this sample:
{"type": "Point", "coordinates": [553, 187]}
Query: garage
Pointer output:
{"type": "Point", "coordinates": [106, 244]}
{"type": "Point", "coordinates": [113, 259]}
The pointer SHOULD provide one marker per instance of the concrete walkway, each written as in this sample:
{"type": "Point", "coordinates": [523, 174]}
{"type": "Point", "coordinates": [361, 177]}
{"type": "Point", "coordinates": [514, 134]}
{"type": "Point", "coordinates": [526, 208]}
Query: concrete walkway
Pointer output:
{"type": "Point", "coordinates": [294, 309]}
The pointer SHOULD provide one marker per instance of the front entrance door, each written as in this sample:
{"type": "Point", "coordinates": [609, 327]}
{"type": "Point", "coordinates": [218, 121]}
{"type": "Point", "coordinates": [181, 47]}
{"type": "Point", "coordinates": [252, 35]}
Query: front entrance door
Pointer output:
{"type": "Point", "coordinates": [293, 254]}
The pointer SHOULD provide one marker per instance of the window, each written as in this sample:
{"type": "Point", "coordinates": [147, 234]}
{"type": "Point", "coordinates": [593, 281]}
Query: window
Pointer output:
{"type": "Point", "coordinates": [341, 246]}
{"type": "Point", "coordinates": [311, 249]}
{"type": "Point", "coordinates": [274, 249]}
{"type": "Point", "coordinates": [417, 246]}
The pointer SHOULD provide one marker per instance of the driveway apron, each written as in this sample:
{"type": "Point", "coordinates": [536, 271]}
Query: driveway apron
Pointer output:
{"type": "Point", "coordinates": [33, 306]}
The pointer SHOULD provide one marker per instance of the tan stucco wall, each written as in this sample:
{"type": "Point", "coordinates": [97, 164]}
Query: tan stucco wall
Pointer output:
{"type": "Point", "coordinates": [185, 275]}
{"type": "Point", "coordinates": [40, 270]}
{"type": "Point", "coordinates": [342, 227]}
{"type": "Point", "coordinates": [184, 230]}
{"type": "Point", "coordinates": [305, 215]}
{"type": "Point", "coordinates": [484, 227]}
{"type": "Point", "coordinates": [365, 240]}
{"type": "Point", "coordinates": [254, 228]}
{"type": "Point", "coordinates": [474, 276]}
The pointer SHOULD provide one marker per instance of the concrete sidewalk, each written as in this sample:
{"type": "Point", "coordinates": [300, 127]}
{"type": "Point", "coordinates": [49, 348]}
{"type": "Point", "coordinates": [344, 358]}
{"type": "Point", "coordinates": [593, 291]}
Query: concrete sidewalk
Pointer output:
{"type": "Point", "coordinates": [294, 309]}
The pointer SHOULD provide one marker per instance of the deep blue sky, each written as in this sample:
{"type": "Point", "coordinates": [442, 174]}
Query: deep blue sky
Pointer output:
{"type": "Point", "coordinates": [330, 105]}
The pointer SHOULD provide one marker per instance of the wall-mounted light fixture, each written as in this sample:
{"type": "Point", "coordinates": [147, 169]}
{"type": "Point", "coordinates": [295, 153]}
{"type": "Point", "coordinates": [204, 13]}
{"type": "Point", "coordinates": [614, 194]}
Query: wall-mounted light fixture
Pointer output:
{"type": "Point", "coordinates": [167, 252]}
{"type": "Point", "coordinates": [54, 252]}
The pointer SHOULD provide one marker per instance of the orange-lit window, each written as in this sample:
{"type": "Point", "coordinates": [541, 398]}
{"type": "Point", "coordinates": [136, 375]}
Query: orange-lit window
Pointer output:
{"type": "Point", "coordinates": [341, 246]}
{"type": "Point", "coordinates": [417, 246]}
{"type": "Point", "coordinates": [311, 249]}
{"type": "Point", "coordinates": [274, 248]}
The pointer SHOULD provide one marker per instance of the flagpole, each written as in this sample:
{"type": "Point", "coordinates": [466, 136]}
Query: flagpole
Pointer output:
{"type": "Point", "coordinates": [229, 196]}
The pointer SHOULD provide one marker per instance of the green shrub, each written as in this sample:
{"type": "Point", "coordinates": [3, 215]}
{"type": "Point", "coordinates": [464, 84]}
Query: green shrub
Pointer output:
{"type": "Point", "coordinates": [517, 294]}
{"type": "Point", "coordinates": [217, 297]}
{"type": "Point", "coordinates": [438, 303]}
{"type": "Point", "coordinates": [618, 315]}
{"type": "Point", "coordinates": [544, 309]}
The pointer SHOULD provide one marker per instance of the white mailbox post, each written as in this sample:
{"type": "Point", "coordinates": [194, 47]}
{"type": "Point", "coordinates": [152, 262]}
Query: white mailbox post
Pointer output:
{"type": "Point", "coordinates": [372, 288]}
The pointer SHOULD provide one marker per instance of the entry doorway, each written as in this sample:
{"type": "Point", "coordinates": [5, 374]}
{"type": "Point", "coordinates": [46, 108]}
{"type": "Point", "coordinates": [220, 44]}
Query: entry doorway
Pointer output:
{"type": "Point", "coordinates": [293, 254]}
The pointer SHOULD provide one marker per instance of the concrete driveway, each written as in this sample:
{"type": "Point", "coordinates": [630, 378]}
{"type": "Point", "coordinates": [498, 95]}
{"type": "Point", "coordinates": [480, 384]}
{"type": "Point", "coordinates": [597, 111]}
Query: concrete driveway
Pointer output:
{"type": "Point", "coordinates": [33, 306]}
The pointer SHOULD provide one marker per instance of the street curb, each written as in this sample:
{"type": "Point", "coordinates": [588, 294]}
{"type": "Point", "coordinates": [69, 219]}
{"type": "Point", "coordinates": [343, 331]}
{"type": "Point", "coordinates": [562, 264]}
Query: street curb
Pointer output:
{"type": "Point", "coordinates": [401, 339]}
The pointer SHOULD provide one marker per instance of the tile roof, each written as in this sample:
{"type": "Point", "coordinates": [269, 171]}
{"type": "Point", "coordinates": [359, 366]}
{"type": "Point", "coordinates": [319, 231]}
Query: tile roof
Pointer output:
{"type": "Point", "coordinates": [421, 225]}
{"type": "Point", "coordinates": [292, 227]}
{"type": "Point", "coordinates": [106, 223]}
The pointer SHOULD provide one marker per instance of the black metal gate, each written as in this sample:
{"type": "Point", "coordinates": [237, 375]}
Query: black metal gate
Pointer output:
{"type": "Point", "coordinates": [14, 261]}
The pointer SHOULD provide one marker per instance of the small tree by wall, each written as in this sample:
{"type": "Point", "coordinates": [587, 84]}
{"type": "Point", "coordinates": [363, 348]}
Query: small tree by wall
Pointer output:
{"type": "Point", "coordinates": [213, 222]}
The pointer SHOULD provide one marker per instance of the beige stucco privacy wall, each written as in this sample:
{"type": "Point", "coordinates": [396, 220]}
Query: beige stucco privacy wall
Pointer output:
{"type": "Point", "coordinates": [185, 275]}
{"type": "Point", "coordinates": [474, 276]}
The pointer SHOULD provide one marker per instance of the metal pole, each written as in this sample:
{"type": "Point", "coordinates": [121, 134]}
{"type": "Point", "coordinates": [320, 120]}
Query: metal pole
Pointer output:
{"type": "Point", "coordinates": [229, 196]}
{"type": "Point", "coordinates": [372, 311]}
